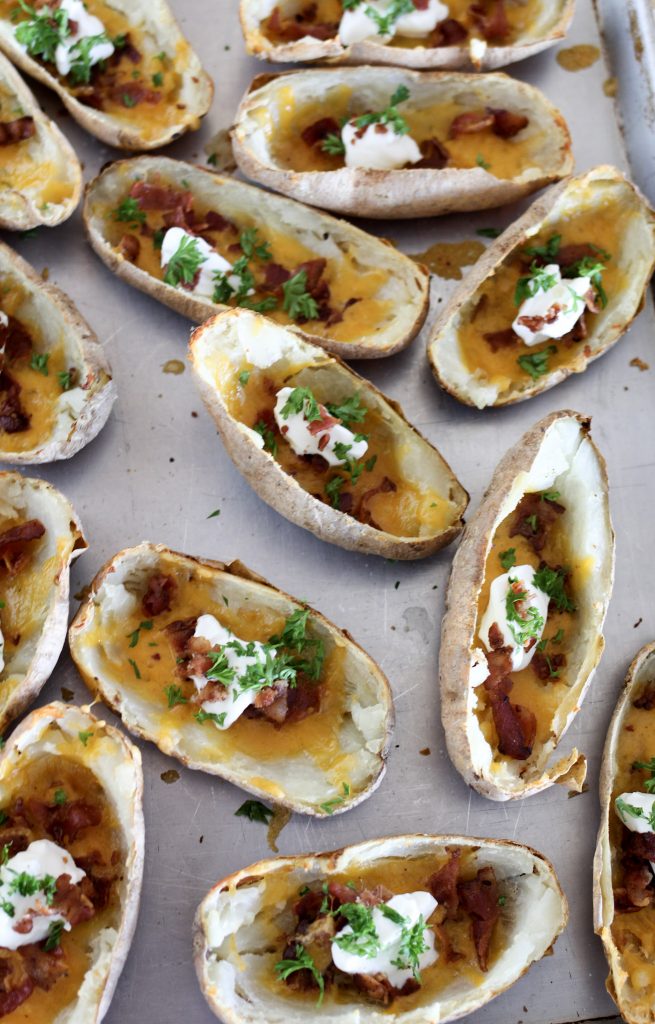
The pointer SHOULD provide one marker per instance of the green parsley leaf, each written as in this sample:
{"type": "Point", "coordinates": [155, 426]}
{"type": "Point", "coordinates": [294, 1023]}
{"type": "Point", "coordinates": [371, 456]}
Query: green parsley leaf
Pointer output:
{"type": "Point", "coordinates": [65, 378]}
{"type": "Point", "coordinates": [130, 211]}
{"type": "Point", "coordinates": [85, 737]}
{"type": "Point", "coordinates": [134, 636]}
{"type": "Point", "coordinates": [128, 100]}
{"type": "Point", "coordinates": [185, 263]}
{"type": "Point", "coordinates": [220, 670]}
{"type": "Point", "coordinates": [254, 810]}
{"type": "Point", "coordinates": [158, 239]}
{"type": "Point", "coordinates": [553, 583]}
{"type": "Point", "coordinates": [593, 269]}
{"type": "Point", "coordinates": [251, 246]}
{"type": "Point", "coordinates": [265, 432]}
{"type": "Point", "coordinates": [209, 716]}
{"type": "Point", "coordinates": [526, 622]}
{"type": "Point", "coordinates": [412, 945]}
{"type": "Point", "coordinates": [3, 817]}
{"type": "Point", "coordinates": [349, 410]}
{"type": "Point", "coordinates": [649, 766]}
{"type": "Point", "coordinates": [175, 696]}
{"type": "Point", "coordinates": [546, 252]}
{"type": "Point", "coordinates": [489, 232]}
{"type": "Point", "coordinates": [54, 936]}
{"type": "Point", "coordinates": [8, 908]}
{"type": "Point", "coordinates": [481, 162]}
{"type": "Point", "coordinates": [390, 114]}
{"type": "Point", "coordinates": [214, 514]}
{"type": "Point", "coordinates": [60, 797]}
{"type": "Point", "coordinates": [508, 558]}
{"type": "Point", "coordinates": [81, 65]}
{"type": "Point", "coordinates": [301, 400]}
{"type": "Point", "coordinates": [135, 667]}
{"type": "Point", "coordinates": [330, 805]}
{"type": "Point", "coordinates": [502, 900]}
{"type": "Point", "coordinates": [244, 377]}
{"type": "Point", "coordinates": [39, 362]}
{"type": "Point", "coordinates": [43, 32]}
{"type": "Point", "coordinates": [333, 490]}
{"type": "Point", "coordinates": [157, 79]}
{"type": "Point", "coordinates": [539, 279]}
{"type": "Point", "coordinates": [559, 636]}
{"type": "Point", "coordinates": [4, 854]}
{"type": "Point", "coordinates": [363, 939]}
{"type": "Point", "coordinates": [333, 144]}
{"type": "Point", "coordinates": [536, 364]}
{"type": "Point", "coordinates": [550, 496]}
{"type": "Point", "coordinates": [303, 962]}
{"type": "Point", "coordinates": [297, 301]}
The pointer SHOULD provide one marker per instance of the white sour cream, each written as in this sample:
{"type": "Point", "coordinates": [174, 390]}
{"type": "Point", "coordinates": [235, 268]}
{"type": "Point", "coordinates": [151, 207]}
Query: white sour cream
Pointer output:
{"type": "Point", "coordinates": [212, 263]}
{"type": "Point", "coordinates": [378, 147]}
{"type": "Point", "coordinates": [411, 906]}
{"type": "Point", "coordinates": [356, 24]}
{"type": "Point", "coordinates": [642, 801]}
{"type": "Point", "coordinates": [562, 306]}
{"type": "Point", "coordinates": [87, 25]}
{"type": "Point", "coordinates": [236, 700]}
{"type": "Point", "coordinates": [41, 858]}
{"type": "Point", "coordinates": [296, 431]}
{"type": "Point", "coordinates": [497, 613]}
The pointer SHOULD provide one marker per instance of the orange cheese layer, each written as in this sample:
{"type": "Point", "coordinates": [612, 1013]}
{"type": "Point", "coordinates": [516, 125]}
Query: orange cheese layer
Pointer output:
{"type": "Point", "coordinates": [286, 119]}
{"type": "Point", "coordinates": [151, 119]}
{"type": "Point", "coordinates": [155, 662]}
{"type": "Point", "coordinates": [400, 875]}
{"type": "Point", "coordinates": [634, 932]}
{"type": "Point", "coordinates": [496, 310]}
{"type": "Point", "coordinates": [39, 391]}
{"type": "Point", "coordinates": [408, 511]}
{"type": "Point", "coordinates": [39, 779]}
{"type": "Point", "coordinates": [345, 276]}
{"type": "Point", "coordinates": [541, 697]}
{"type": "Point", "coordinates": [19, 170]}
{"type": "Point", "coordinates": [520, 15]}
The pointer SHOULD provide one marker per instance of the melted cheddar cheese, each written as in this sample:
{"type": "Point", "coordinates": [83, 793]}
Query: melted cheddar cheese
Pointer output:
{"type": "Point", "coordinates": [603, 226]}
{"type": "Point", "coordinates": [289, 115]}
{"type": "Point", "coordinates": [38, 779]}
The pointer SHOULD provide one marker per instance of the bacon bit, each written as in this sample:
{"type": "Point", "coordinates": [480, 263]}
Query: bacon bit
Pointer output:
{"type": "Point", "coordinates": [129, 248]}
{"type": "Point", "coordinates": [13, 418]}
{"type": "Point", "coordinates": [158, 594]}
{"type": "Point", "coordinates": [639, 364]}
{"type": "Point", "coordinates": [160, 197]}
{"type": "Point", "coordinates": [13, 541]}
{"type": "Point", "coordinates": [292, 29]}
{"type": "Point", "coordinates": [216, 222]}
{"type": "Point", "coordinates": [592, 301]}
{"type": "Point", "coordinates": [131, 94]}
{"type": "Point", "coordinates": [16, 131]}
{"type": "Point", "coordinates": [15, 984]}
{"type": "Point", "coordinates": [379, 989]}
{"type": "Point", "coordinates": [546, 667]}
{"type": "Point", "coordinates": [275, 276]}
{"type": "Point", "coordinates": [498, 340]}
{"type": "Point", "coordinates": [70, 901]}
{"type": "Point", "coordinates": [421, 5]}
{"type": "Point", "coordinates": [567, 255]}
{"type": "Point", "coordinates": [179, 633]}
{"type": "Point", "coordinates": [346, 502]}
{"type": "Point", "coordinates": [434, 155]}
{"type": "Point", "coordinates": [480, 899]}
{"type": "Point", "coordinates": [646, 702]}
{"type": "Point", "coordinates": [15, 341]}
{"type": "Point", "coordinates": [516, 727]}
{"type": "Point", "coordinates": [326, 422]}
{"type": "Point", "coordinates": [316, 286]}
{"type": "Point", "coordinates": [24, 926]}
{"type": "Point", "coordinates": [546, 513]}
{"type": "Point", "coordinates": [637, 891]}
{"type": "Point", "coordinates": [448, 32]}
{"type": "Point", "coordinates": [471, 123]}
{"type": "Point", "coordinates": [536, 323]}
{"type": "Point", "coordinates": [496, 639]}
{"type": "Point", "coordinates": [508, 124]}
{"type": "Point", "coordinates": [315, 133]}
{"type": "Point", "coordinates": [443, 884]}
{"type": "Point", "coordinates": [491, 20]}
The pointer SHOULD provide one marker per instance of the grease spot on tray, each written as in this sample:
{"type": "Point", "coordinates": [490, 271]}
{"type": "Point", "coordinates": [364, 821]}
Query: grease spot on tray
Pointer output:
{"type": "Point", "coordinates": [175, 366]}
{"type": "Point", "coordinates": [577, 58]}
{"type": "Point", "coordinates": [611, 86]}
{"type": "Point", "coordinates": [281, 817]}
{"type": "Point", "coordinates": [417, 620]}
{"type": "Point", "coordinates": [169, 776]}
{"type": "Point", "coordinates": [639, 364]}
{"type": "Point", "coordinates": [446, 259]}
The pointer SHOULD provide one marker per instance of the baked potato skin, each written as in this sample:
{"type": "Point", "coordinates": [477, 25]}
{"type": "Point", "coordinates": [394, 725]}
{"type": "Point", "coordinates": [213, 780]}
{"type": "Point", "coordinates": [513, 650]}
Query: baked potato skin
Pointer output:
{"type": "Point", "coordinates": [123, 784]}
{"type": "Point", "coordinates": [54, 625]}
{"type": "Point", "coordinates": [95, 367]}
{"type": "Point", "coordinates": [399, 194]}
{"type": "Point", "coordinates": [105, 127]}
{"type": "Point", "coordinates": [272, 208]}
{"type": "Point", "coordinates": [442, 58]}
{"type": "Point", "coordinates": [119, 703]}
{"type": "Point", "coordinates": [459, 621]}
{"type": "Point", "coordinates": [19, 211]}
{"type": "Point", "coordinates": [514, 238]}
{"type": "Point", "coordinates": [633, 1009]}
{"type": "Point", "coordinates": [320, 864]}
{"type": "Point", "coordinates": [287, 497]}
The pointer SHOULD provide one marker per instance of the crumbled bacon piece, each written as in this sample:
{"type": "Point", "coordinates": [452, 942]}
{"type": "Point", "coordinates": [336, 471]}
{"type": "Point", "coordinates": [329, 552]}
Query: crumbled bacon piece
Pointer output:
{"type": "Point", "coordinates": [547, 666]}
{"type": "Point", "coordinates": [13, 552]}
{"type": "Point", "coordinates": [15, 984]}
{"type": "Point", "coordinates": [160, 197]}
{"type": "Point", "coordinates": [516, 726]}
{"type": "Point", "coordinates": [302, 24]}
{"type": "Point", "coordinates": [129, 247]}
{"type": "Point", "coordinates": [131, 94]}
{"type": "Point", "coordinates": [498, 340]}
{"type": "Point", "coordinates": [508, 124]}
{"type": "Point", "coordinates": [479, 898]}
{"type": "Point", "coordinates": [44, 968]}
{"type": "Point", "coordinates": [433, 155]}
{"type": "Point", "coordinates": [646, 699]}
{"type": "Point", "coordinates": [158, 594]}
{"type": "Point", "coordinates": [15, 341]}
{"type": "Point", "coordinates": [179, 633]}
{"type": "Point", "coordinates": [16, 131]}
{"type": "Point", "coordinates": [64, 822]}
{"type": "Point", "coordinates": [315, 133]}
{"type": "Point", "coordinates": [326, 422]}
{"type": "Point", "coordinates": [70, 901]}
{"type": "Point", "coordinates": [533, 518]}
{"type": "Point", "coordinates": [443, 884]}
{"type": "Point", "coordinates": [471, 123]}
{"type": "Point", "coordinates": [448, 32]}
{"type": "Point", "coordinates": [275, 276]}
{"type": "Point", "coordinates": [491, 20]}
{"type": "Point", "coordinates": [13, 418]}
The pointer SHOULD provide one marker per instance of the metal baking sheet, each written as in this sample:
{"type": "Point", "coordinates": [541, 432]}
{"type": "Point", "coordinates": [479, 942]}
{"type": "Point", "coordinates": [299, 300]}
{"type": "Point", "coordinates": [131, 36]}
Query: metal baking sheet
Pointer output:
{"type": "Point", "coordinates": [158, 469]}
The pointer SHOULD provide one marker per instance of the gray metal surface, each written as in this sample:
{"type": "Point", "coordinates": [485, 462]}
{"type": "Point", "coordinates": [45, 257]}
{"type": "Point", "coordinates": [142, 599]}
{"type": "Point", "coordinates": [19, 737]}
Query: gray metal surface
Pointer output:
{"type": "Point", "coordinates": [156, 472]}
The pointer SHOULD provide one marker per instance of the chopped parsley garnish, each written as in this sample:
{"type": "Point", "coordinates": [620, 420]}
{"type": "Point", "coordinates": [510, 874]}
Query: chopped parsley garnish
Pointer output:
{"type": "Point", "coordinates": [349, 410]}
{"type": "Point", "coordinates": [390, 114]}
{"type": "Point", "coordinates": [412, 945]}
{"type": "Point", "coordinates": [593, 269]}
{"type": "Point", "coordinates": [8, 908]}
{"type": "Point", "coordinates": [84, 737]}
{"type": "Point", "coordinates": [158, 79]}
{"type": "Point", "coordinates": [254, 810]}
{"type": "Point", "coordinates": [209, 716]}
{"type": "Point", "coordinates": [220, 670]}
{"type": "Point", "coordinates": [80, 72]}
{"type": "Point", "coordinates": [60, 797]}
{"type": "Point", "coordinates": [545, 252]}
{"type": "Point", "coordinates": [185, 263]}
{"type": "Point", "coordinates": [333, 490]}
{"type": "Point", "coordinates": [536, 364]}
{"type": "Point", "coordinates": [559, 636]}
{"type": "Point", "coordinates": [363, 940]}
{"type": "Point", "coordinates": [552, 582]}
{"type": "Point", "coordinates": [39, 362]}
{"type": "Point", "coordinates": [4, 854]}
{"type": "Point", "coordinates": [526, 623]}
{"type": "Point", "coordinates": [489, 232]}
{"type": "Point", "coordinates": [43, 32]}
{"type": "Point", "coordinates": [508, 558]}
{"type": "Point", "coordinates": [128, 100]}
{"type": "Point", "coordinates": [626, 809]}
{"type": "Point", "coordinates": [225, 289]}
{"type": "Point", "coordinates": [301, 400]}
{"type": "Point", "coordinates": [130, 211]}
{"type": "Point", "coordinates": [244, 377]}
{"type": "Point", "coordinates": [135, 667]}
{"type": "Point", "coordinates": [267, 435]}
{"type": "Point", "coordinates": [158, 238]}
{"type": "Point", "coordinates": [251, 246]}
{"type": "Point", "coordinates": [333, 144]}
{"type": "Point", "coordinates": [303, 961]}
{"type": "Point", "coordinates": [648, 766]}
{"type": "Point", "coordinates": [54, 936]}
{"type": "Point", "coordinates": [214, 514]}
{"type": "Point", "coordinates": [550, 496]}
{"type": "Point", "coordinates": [481, 162]}
{"type": "Point", "coordinates": [174, 695]}
{"type": "Point", "coordinates": [539, 279]}
{"type": "Point", "coordinates": [386, 21]}
{"type": "Point", "coordinates": [135, 634]}
{"type": "Point", "coordinates": [28, 885]}
{"type": "Point", "coordinates": [297, 301]}
{"type": "Point", "coordinates": [65, 378]}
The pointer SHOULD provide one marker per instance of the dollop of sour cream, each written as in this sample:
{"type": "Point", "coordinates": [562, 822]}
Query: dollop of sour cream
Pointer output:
{"type": "Point", "coordinates": [552, 312]}
{"type": "Point", "coordinates": [411, 906]}
{"type": "Point", "coordinates": [357, 24]}
{"type": "Point", "coordinates": [41, 859]}
{"type": "Point", "coordinates": [237, 698]}
{"type": "Point", "coordinates": [212, 264]}
{"type": "Point", "coordinates": [378, 147]}
{"type": "Point", "coordinates": [86, 26]}
{"type": "Point", "coordinates": [496, 612]}
{"type": "Point", "coordinates": [634, 810]}
{"type": "Point", "coordinates": [297, 431]}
